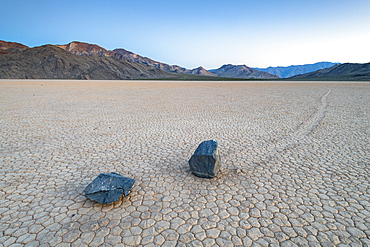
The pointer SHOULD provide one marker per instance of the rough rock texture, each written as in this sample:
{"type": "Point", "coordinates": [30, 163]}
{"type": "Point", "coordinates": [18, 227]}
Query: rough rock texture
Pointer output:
{"type": "Point", "coordinates": [108, 187]}
{"type": "Point", "coordinates": [241, 71]}
{"type": "Point", "coordinates": [50, 62]}
{"type": "Point", "coordinates": [206, 161]}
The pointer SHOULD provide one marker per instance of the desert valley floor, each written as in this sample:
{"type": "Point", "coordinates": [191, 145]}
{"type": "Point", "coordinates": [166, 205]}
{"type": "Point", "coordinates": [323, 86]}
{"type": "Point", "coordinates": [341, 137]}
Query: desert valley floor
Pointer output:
{"type": "Point", "coordinates": [295, 163]}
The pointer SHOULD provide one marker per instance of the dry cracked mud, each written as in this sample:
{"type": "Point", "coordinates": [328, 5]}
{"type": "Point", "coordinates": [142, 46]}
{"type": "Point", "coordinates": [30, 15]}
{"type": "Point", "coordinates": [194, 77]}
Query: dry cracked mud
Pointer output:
{"type": "Point", "coordinates": [295, 163]}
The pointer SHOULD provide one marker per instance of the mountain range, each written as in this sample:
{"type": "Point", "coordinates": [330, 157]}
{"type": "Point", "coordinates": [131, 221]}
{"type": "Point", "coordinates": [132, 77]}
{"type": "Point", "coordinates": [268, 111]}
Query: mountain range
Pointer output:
{"type": "Point", "coordinates": [85, 49]}
{"type": "Point", "coordinates": [51, 62]}
{"type": "Point", "coordinates": [86, 52]}
{"type": "Point", "coordinates": [339, 72]}
{"type": "Point", "coordinates": [286, 72]}
{"type": "Point", "coordinates": [241, 71]}
{"type": "Point", "coordinates": [79, 60]}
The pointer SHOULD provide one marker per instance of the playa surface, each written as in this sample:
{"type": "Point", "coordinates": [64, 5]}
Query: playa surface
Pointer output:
{"type": "Point", "coordinates": [295, 163]}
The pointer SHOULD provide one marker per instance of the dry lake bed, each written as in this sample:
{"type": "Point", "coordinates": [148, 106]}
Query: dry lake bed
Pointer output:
{"type": "Point", "coordinates": [295, 163]}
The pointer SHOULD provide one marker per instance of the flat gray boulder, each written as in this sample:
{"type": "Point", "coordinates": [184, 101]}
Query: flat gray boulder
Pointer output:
{"type": "Point", "coordinates": [206, 161]}
{"type": "Point", "coordinates": [108, 187]}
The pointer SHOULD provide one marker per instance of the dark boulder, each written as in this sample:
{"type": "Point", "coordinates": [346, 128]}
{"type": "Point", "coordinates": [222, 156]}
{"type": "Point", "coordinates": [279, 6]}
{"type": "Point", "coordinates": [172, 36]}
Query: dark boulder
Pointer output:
{"type": "Point", "coordinates": [108, 187]}
{"type": "Point", "coordinates": [206, 161]}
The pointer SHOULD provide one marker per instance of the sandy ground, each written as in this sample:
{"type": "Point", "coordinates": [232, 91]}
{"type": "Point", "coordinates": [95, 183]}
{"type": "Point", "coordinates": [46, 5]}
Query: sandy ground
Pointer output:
{"type": "Point", "coordinates": [295, 163]}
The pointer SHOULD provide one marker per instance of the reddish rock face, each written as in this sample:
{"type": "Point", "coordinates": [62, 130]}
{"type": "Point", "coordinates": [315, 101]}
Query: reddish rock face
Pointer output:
{"type": "Point", "coordinates": [4, 52]}
{"type": "Point", "coordinates": [86, 49]}
{"type": "Point", "coordinates": [11, 47]}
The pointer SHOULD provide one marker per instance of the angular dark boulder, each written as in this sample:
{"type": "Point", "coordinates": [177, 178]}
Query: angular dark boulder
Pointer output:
{"type": "Point", "coordinates": [108, 187]}
{"type": "Point", "coordinates": [206, 160]}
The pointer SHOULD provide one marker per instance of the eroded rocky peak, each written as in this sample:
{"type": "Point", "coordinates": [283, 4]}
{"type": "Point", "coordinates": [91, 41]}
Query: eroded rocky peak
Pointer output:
{"type": "Point", "coordinates": [85, 49]}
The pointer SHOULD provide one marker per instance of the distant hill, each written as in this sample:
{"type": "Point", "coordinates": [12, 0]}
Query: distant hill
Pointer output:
{"type": "Point", "coordinates": [51, 62]}
{"type": "Point", "coordinates": [339, 72]}
{"type": "Point", "coordinates": [241, 71]}
{"type": "Point", "coordinates": [285, 72]}
{"type": "Point", "coordinates": [201, 71]}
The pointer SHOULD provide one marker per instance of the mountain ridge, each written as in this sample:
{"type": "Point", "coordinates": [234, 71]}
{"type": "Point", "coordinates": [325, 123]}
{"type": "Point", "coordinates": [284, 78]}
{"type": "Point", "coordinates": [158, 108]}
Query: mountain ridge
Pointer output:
{"type": "Point", "coordinates": [51, 62]}
{"type": "Point", "coordinates": [86, 49]}
{"type": "Point", "coordinates": [11, 47]}
{"type": "Point", "coordinates": [86, 60]}
{"type": "Point", "coordinates": [345, 71]}
{"type": "Point", "coordinates": [292, 70]}
{"type": "Point", "coordinates": [241, 71]}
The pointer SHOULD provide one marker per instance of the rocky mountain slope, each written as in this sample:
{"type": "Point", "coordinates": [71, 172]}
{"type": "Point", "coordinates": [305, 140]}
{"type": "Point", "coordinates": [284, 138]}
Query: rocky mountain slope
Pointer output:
{"type": "Point", "coordinates": [51, 62]}
{"type": "Point", "coordinates": [128, 56]}
{"type": "Point", "coordinates": [345, 71]}
{"type": "Point", "coordinates": [86, 49]}
{"type": "Point", "coordinates": [241, 71]}
{"type": "Point", "coordinates": [285, 72]}
{"type": "Point", "coordinates": [11, 47]}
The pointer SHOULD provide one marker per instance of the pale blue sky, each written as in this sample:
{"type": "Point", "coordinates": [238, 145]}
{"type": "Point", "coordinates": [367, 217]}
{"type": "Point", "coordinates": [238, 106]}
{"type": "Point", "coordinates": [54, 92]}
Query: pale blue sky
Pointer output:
{"type": "Point", "coordinates": [258, 33]}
